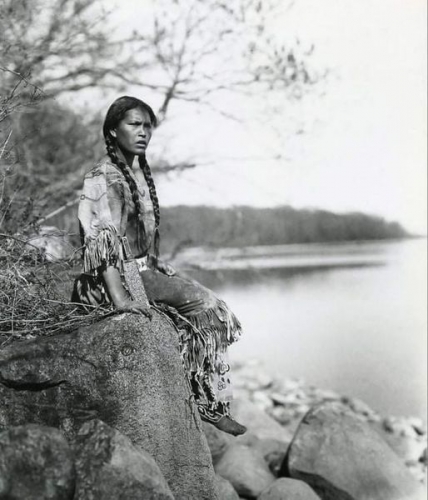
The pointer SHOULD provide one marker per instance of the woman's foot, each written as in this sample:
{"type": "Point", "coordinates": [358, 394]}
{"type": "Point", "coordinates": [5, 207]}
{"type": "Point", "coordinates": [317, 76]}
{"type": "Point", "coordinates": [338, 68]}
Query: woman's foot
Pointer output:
{"type": "Point", "coordinates": [221, 419]}
{"type": "Point", "coordinates": [229, 425]}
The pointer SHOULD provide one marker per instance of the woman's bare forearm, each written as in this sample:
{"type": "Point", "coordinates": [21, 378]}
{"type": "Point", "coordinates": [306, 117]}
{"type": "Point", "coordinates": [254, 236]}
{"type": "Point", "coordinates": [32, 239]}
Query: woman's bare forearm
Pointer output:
{"type": "Point", "coordinates": [120, 297]}
{"type": "Point", "coordinates": [113, 282]}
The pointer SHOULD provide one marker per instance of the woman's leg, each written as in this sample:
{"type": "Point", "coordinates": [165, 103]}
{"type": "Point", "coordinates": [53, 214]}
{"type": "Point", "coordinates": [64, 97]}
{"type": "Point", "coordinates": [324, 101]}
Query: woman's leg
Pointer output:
{"type": "Point", "coordinates": [207, 328]}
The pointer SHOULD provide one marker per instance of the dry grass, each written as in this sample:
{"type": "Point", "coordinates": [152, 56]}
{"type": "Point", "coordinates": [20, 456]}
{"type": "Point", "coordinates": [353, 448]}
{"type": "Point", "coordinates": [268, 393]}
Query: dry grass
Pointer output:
{"type": "Point", "coordinates": [35, 294]}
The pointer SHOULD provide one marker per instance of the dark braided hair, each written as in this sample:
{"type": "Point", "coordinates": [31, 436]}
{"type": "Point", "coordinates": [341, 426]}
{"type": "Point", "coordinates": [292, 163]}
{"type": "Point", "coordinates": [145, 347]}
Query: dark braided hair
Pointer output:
{"type": "Point", "coordinates": [154, 197]}
{"type": "Point", "coordinates": [115, 114]}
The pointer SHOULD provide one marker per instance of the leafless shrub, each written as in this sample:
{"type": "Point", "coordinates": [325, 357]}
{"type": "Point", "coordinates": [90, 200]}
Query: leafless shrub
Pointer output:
{"type": "Point", "coordinates": [35, 294]}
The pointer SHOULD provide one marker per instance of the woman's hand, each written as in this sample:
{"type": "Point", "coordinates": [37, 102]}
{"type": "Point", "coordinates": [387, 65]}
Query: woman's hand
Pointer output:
{"type": "Point", "coordinates": [162, 266]}
{"type": "Point", "coordinates": [133, 306]}
{"type": "Point", "coordinates": [120, 297]}
{"type": "Point", "coordinates": [165, 268]}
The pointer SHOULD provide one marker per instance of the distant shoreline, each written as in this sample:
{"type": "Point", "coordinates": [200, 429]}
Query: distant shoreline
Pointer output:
{"type": "Point", "coordinates": [185, 226]}
{"type": "Point", "coordinates": [294, 256]}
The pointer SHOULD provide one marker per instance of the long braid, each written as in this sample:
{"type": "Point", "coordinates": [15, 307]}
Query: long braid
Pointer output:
{"type": "Point", "coordinates": [111, 151]}
{"type": "Point", "coordinates": [154, 197]}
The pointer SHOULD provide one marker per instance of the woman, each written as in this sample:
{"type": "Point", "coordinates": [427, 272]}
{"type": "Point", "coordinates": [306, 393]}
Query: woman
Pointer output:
{"type": "Point", "coordinates": [114, 203]}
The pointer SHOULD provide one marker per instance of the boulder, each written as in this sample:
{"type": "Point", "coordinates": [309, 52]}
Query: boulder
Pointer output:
{"type": "Point", "coordinates": [341, 457]}
{"type": "Point", "coordinates": [273, 451]}
{"type": "Point", "coordinates": [246, 470]}
{"type": "Point", "coordinates": [288, 489]}
{"type": "Point", "coordinates": [36, 463]}
{"type": "Point", "coordinates": [218, 441]}
{"type": "Point", "coordinates": [258, 422]}
{"type": "Point", "coordinates": [126, 371]}
{"type": "Point", "coordinates": [110, 467]}
{"type": "Point", "coordinates": [54, 242]}
{"type": "Point", "coordinates": [225, 489]}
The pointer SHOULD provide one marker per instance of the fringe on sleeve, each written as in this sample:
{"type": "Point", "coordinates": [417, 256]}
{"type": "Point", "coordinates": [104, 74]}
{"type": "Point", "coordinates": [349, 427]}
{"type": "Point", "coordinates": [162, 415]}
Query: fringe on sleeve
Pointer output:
{"type": "Point", "coordinates": [100, 235]}
{"type": "Point", "coordinates": [103, 250]}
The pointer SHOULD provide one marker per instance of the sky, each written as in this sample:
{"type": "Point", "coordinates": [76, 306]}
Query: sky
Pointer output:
{"type": "Point", "coordinates": [355, 143]}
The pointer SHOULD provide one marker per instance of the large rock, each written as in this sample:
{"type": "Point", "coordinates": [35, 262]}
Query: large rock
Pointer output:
{"type": "Point", "coordinates": [342, 458]}
{"type": "Point", "coordinates": [125, 371]}
{"type": "Point", "coordinates": [225, 489]}
{"type": "Point", "coordinates": [245, 469]}
{"type": "Point", "coordinates": [218, 441]}
{"type": "Point", "coordinates": [54, 242]}
{"type": "Point", "coordinates": [288, 489]}
{"type": "Point", "coordinates": [273, 451]}
{"type": "Point", "coordinates": [35, 463]}
{"type": "Point", "coordinates": [109, 467]}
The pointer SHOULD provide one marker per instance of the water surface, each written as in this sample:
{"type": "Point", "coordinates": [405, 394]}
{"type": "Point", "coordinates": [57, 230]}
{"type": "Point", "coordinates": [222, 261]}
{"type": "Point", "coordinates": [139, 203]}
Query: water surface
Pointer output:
{"type": "Point", "coordinates": [351, 317]}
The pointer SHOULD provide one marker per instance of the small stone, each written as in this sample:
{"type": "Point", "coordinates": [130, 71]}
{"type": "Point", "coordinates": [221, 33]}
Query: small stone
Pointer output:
{"type": "Point", "coordinates": [264, 380]}
{"type": "Point", "coordinates": [262, 400]}
{"type": "Point", "coordinates": [423, 458]}
{"type": "Point", "coordinates": [374, 418]}
{"type": "Point", "coordinates": [302, 409]}
{"type": "Point", "coordinates": [419, 425]}
{"type": "Point", "coordinates": [360, 407]}
{"type": "Point", "coordinates": [282, 415]}
{"type": "Point", "coordinates": [273, 452]}
{"type": "Point", "coordinates": [326, 395]}
{"type": "Point", "coordinates": [408, 449]}
{"type": "Point", "coordinates": [292, 384]}
{"type": "Point", "coordinates": [418, 471]}
{"type": "Point", "coordinates": [283, 399]}
{"type": "Point", "coordinates": [246, 470]}
{"type": "Point", "coordinates": [400, 427]}
{"type": "Point", "coordinates": [301, 395]}
{"type": "Point", "coordinates": [288, 489]}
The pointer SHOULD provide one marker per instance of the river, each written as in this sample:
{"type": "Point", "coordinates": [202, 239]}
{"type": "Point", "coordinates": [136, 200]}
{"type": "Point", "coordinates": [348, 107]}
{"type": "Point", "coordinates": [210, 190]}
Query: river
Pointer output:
{"type": "Point", "coordinates": [348, 317]}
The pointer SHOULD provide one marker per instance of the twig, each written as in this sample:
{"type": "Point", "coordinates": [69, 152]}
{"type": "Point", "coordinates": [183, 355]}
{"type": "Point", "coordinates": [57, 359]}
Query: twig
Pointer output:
{"type": "Point", "coordinates": [4, 146]}
{"type": "Point", "coordinates": [2, 68]}
{"type": "Point", "coordinates": [2, 235]}
{"type": "Point", "coordinates": [59, 210]}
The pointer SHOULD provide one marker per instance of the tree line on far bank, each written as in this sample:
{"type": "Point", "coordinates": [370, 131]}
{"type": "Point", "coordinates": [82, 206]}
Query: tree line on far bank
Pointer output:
{"type": "Point", "coordinates": [243, 225]}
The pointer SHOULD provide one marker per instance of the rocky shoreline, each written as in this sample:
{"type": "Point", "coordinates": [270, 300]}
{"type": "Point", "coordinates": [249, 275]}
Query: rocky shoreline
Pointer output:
{"type": "Point", "coordinates": [119, 413]}
{"type": "Point", "coordinates": [288, 400]}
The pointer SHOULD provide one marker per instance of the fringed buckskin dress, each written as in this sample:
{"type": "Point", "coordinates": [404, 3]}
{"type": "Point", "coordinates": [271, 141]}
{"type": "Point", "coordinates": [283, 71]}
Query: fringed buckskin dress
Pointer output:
{"type": "Point", "coordinates": [205, 324]}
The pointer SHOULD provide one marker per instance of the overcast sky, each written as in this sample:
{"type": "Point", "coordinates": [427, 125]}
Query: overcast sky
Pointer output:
{"type": "Point", "coordinates": [359, 146]}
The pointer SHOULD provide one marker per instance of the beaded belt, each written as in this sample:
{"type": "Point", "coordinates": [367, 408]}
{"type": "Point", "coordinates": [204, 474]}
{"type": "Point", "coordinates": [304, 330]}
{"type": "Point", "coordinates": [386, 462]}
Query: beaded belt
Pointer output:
{"type": "Point", "coordinates": [142, 262]}
{"type": "Point", "coordinates": [132, 268]}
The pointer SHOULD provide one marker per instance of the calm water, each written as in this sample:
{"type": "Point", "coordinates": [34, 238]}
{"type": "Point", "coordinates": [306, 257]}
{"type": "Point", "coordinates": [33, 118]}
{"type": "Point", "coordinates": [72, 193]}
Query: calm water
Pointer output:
{"type": "Point", "coordinates": [356, 325]}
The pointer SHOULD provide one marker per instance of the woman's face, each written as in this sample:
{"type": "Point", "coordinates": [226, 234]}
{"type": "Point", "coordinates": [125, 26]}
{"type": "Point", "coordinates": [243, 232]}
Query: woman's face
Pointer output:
{"type": "Point", "coordinates": [134, 131]}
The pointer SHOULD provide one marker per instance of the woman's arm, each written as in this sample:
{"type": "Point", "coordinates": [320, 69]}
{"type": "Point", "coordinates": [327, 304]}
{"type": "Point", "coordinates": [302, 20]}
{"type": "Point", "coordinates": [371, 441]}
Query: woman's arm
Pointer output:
{"type": "Point", "coordinates": [118, 294]}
